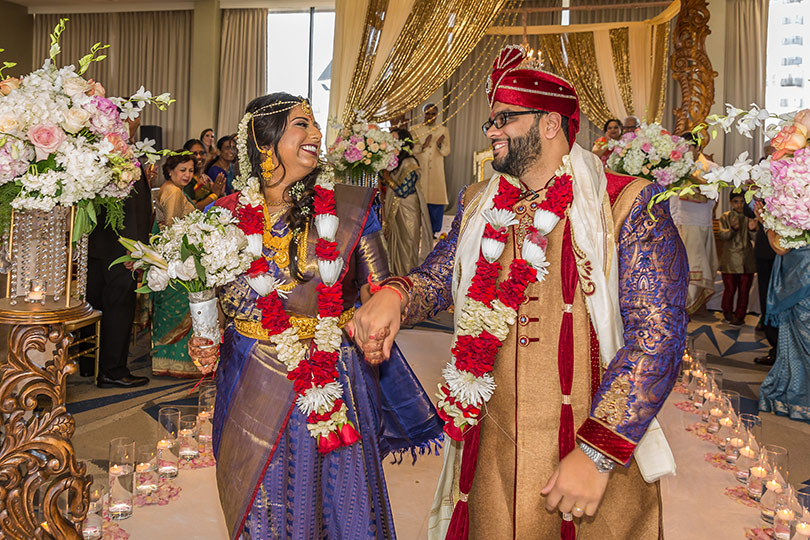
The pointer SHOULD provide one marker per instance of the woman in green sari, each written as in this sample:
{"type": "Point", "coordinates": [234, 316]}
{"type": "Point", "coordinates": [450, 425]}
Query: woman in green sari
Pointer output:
{"type": "Point", "coordinates": [171, 321]}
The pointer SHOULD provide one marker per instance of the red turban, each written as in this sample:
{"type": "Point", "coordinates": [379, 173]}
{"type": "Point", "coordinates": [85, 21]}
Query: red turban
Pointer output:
{"type": "Point", "coordinates": [514, 81]}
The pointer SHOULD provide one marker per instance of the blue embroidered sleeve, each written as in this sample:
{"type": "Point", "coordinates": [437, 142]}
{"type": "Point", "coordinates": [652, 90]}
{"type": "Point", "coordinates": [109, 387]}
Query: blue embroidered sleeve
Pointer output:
{"type": "Point", "coordinates": [653, 279]}
{"type": "Point", "coordinates": [432, 289]}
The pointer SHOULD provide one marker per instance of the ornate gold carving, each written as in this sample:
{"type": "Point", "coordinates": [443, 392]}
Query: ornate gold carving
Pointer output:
{"type": "Point", "coordinates": [613, 407]}
{"type": "Point", "coordinates": [691, 66]}
{"type": "Point", "coordinates": [36, 448]}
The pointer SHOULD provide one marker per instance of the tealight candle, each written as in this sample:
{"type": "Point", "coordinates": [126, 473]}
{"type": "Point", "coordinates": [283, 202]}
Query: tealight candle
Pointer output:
{"type": "Point", "coordinates": [716, 412]}
{"type": "Point", "coordinates": [773, 485]}
{"type": "Point", "coordinates": [803, 528]}
{"type": "Point", "coordinates": [37, 291]}
{"type": "Point", "coordinates": [164, 444]}
{"type": "Point", "coordinates": [204, 414]}
{"type": "Point", "coordinates": [748, 452]}
{"type": "Point", "coordinates": [785, 514]}
{"type": "Point", "coordinates": [143, 467]}
{"type": "Point", "coordinates": [186, 433]}
{"type": "Point", "coordinates": [725, 421]}
{"type": "Point", "coordinates": [736, 442]}
{"type": "Point", "coordinates": [116, 470]}
{"type": "Point", "coordinates": [758, 471]}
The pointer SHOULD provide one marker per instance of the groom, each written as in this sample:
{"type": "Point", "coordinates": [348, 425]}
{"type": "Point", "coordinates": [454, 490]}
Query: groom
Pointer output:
{"type": "Point", "coordinates": [594, 348]}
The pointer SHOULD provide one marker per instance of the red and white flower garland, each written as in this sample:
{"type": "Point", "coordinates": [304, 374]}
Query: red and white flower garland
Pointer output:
{"type": "Point", "coordinates": [490, 309]}
{"type": "Point", "coordinates": [314, 376]}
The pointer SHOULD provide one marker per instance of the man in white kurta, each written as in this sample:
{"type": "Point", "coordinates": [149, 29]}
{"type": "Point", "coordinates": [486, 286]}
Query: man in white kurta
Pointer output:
{"type": "Point", "coordinates": [431, 146]}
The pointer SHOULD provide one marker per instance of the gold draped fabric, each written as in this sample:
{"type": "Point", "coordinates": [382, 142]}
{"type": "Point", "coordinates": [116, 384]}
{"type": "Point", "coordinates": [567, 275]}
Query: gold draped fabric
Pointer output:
{"type": "Point", "coordinates": [430, 43]}
{"type": "Point", "coordinates": [617, 69]}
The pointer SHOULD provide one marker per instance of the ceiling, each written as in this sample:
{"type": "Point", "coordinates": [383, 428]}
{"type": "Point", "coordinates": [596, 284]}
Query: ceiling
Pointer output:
{"type": "Point", "coordinates": [95, 6]}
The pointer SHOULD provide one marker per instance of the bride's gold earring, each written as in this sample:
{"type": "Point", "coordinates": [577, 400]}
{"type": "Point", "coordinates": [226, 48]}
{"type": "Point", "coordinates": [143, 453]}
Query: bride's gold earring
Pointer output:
{"type": "Point", "coordinates": [268, 166]}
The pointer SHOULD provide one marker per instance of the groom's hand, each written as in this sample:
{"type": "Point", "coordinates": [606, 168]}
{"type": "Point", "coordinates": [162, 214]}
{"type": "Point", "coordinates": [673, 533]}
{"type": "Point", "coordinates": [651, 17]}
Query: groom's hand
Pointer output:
{"type": "Point", "coordinates": [576, 487]}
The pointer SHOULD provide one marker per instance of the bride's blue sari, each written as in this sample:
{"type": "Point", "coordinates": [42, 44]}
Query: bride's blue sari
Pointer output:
{"type": "Point", "coordinates": [786, 389]}
{"type": "Point", "coordinates": [273, 483]}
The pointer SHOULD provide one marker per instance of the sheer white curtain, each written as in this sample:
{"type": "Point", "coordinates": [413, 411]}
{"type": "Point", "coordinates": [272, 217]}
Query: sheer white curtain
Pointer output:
{"type": "Point", "coordinates": [243, 64]}
{"type": "Point", "coordinates": [152, 49]}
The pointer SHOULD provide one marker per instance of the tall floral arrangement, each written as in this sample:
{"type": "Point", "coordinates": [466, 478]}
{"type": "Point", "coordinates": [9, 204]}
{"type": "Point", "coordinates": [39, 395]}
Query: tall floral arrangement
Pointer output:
{"type": "Point", "coordinates": [781, 182]}
{"type": "Point", "coordinates": [64, 142]}
{"type": "Point", "coordinates": [653, 153]}
{"type": "Point", "coordinates": [363, 148]}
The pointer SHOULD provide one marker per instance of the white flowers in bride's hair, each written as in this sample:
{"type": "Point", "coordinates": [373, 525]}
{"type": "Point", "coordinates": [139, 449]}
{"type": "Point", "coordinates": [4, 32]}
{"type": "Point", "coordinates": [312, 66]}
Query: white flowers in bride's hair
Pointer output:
{"type": "Point", "coordinates": [330, 270]}
{"type": "Point", "coordinates": [240, 183]}
{"type": "Point", "coordinates": [327, 225]}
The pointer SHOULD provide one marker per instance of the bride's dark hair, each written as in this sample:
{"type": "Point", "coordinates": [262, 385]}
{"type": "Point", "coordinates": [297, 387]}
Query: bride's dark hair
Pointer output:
{"type": "Point", "coordinates": [268, 129]}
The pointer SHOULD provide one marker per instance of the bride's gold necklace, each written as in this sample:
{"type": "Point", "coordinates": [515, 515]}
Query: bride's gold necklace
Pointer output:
{"type": "Point", "coordinates": [280, 245]}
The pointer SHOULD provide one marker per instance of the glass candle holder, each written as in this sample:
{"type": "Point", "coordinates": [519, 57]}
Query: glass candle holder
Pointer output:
{"type": "Point", "coordinates": [756, 477]}
{"type": "Point", "coordinates": [187, 437]}
{"type": "Point", "coordinates": [728, 422]}
{"type": "Point", "coordinates": [167, 452]}
{"type": "Point", "coordinates": [718, 409]}
{"type": "Point", "coordinates": [121, 475]}
{"type": "Point", "coordinates": [205, 415]}
{"type": "Point", "coordinates": [803, 516]}
{"type": "Point", "coordinates": [37, 289]}
{"type": "Point", "coordinates": [748, 457]}
{"type": "Point", "coordinates": [146, 473]}
{"type": "Point", "coordinates": [774, 460]}
{"type": "Point", "coordinates": [784, 519]}
{"type": "Point", "coordinates": [94, 522]}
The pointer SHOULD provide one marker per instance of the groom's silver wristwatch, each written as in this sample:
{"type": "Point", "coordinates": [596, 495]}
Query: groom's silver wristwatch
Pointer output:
{"type": "Point", "coordinates": [602, 462]}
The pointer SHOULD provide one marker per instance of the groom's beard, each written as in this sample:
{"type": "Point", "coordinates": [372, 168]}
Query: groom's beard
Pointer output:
{"type": "Point", "coordinates": [521, 153]}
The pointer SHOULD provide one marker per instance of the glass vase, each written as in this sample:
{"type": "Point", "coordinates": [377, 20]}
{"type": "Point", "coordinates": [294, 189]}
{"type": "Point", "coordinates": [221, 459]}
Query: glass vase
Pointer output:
{"type": "Point", "coordinates": [362, 178]}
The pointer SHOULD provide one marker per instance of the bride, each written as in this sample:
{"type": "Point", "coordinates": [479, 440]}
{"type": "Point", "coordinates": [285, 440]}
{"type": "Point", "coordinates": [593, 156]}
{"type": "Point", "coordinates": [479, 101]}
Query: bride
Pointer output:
{"type": "Point", "coordinates": [284, 471]}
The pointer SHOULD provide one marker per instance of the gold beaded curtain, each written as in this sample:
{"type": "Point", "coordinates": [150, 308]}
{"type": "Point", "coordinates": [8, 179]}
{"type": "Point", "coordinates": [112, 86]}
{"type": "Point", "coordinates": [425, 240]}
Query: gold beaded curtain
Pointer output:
{"type": "Point", "coordinates": [437, 35]}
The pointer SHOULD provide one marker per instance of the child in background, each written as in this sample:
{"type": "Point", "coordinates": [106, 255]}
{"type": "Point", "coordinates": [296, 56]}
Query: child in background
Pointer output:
{"type": "Point", "coordinates": [737, 259]}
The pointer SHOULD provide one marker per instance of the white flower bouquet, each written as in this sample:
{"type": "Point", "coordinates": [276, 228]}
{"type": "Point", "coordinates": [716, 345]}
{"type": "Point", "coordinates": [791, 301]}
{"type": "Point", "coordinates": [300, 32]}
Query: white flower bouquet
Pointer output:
{"type": "Point", "coordinates": [782, 181]}
{"type": "Point", "coordinates": [199, 252]}
{"type": "Point", "coordinates": [363, 148]}
{"type": "Point", "coordinates": [63, 142]}
{"type": "Point", "coordinates": [653, 153]}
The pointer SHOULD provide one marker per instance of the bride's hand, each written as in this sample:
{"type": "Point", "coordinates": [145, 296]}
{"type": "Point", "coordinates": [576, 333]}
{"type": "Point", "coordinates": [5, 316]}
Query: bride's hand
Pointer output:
{"type": "Point", "coordinates": [379, 314]}
{"type": "Point", "coordinates": [204, 353]}
{"type": "Point", "coordinates": [373, 350]}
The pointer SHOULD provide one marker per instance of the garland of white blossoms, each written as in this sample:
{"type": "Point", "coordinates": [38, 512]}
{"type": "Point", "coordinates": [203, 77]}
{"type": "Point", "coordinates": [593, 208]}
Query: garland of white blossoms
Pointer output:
{"type": "Point", "coordinates": [315, 378]}
{"type": "Point", "coordinates": [490, 309]}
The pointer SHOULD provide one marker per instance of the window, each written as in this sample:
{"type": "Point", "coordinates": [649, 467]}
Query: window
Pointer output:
{"type": "Point", "coordinates": [792, 61]}
{"type": "Point", "coordinates": [299, 56]}
{"type": "Point", "coordinates": [795, 40]}
{"type": "Point", "coordinates": [792, 81]}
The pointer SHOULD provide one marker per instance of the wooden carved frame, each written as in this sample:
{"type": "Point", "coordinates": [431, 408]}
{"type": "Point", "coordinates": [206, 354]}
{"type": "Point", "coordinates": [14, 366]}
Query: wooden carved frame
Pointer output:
{"type": "Point", "coordinates": [691, 66]}
{"type": "Point", "coordinates": [36, 430]}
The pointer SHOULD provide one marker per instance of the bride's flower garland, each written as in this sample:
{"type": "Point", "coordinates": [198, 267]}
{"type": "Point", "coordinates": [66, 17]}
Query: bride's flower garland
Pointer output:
{"type": "Point", "coordinates": [315, 377]}
{"type": "Point", "coordinates": [490, 309]}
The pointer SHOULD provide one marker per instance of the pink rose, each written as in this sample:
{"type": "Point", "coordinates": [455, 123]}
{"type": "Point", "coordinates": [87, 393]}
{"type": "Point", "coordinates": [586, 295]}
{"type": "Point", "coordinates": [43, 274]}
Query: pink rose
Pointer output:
{"type": "Point", "coordinates": [9, 84]}
{"type": "Point", "coordinates": [46, 138]}
{"type": "Point", "coordinates": [675, 155]}
{"type": "Point", "coordinates": [790, 139]}
{"type": "Point", "coordinates": [96, 89]}
{"type": "Point", "coordinates": [118, 143]}
{"type": "Point", "coordinates": [646, 147]}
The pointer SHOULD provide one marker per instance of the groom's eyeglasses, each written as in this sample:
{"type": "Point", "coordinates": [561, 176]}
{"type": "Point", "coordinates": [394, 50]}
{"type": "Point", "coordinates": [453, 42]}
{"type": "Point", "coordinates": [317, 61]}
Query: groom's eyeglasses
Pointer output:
{"type": "Point", "coordinates": [502, 118]}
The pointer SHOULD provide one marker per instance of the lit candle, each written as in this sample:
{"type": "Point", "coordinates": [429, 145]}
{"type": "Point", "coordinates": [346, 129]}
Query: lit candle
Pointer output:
{"type": "Point", "coordinates": [803, 528]}
{"type": "Point", "coordinates": [143, 467]}
{"type": "Point", "coordinates": [164, 444]}
{"type": "Point", "coordinates": [758, 471]}
{"type": "Point", "coordinates": [716, 412]}
{"type": "Point", "coordinates": [748, 452]}
{"type": "Point", "coordinates": [736, 442]}
{"type": "Point", "coordinates": [186, 433]}
{"type": "Point", "coordinates": [37, 291]}
{"type": "Point", "coordinates": [785, 514]}
{"type": "Point", "coordinates": [116, 470]}
{"type": "Point", "coordinates": [725, 421]}
{"type": "Point", "coordinates": [773, 485]}
{"type": "Point", "coordinates": [204, 414]}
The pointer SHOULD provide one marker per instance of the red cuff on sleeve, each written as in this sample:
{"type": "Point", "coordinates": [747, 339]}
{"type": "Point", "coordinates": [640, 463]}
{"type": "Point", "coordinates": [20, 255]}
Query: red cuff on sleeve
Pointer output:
{"type": "Point", "coordinates": [613, 445]}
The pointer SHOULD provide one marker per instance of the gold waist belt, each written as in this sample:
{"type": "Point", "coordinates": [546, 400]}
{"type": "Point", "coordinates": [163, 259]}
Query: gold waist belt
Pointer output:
{"type": "Point", "coordinates": [305, 326]}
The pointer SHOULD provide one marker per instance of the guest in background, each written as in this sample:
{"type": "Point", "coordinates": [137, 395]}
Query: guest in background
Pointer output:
{"type": "Point", "coordinates": [692, 215]}
{"type": "Point", "coordinates": [407, 229]}
{"type": "Point", "coordinates": [613, 131]}
{"type": "Point", "coordinates": [431, 146]}
{"type": "Point", "coordinates": [223, 163]}
{"type": "Point", "coordinates": [111, 289]}
{"type": "Point", "coordinates": [764, 255]}
{"type": "Point", "coordinates": [737, 259]}
{"type": "Point", "coordinates": [207, 137]}
{"type": "Point", "coordinates": [630, 124]}
{"type": "Point", "coordinates": [202, 190]}
{"type": "Point", "coordinates": [171, 321]}
{"type": "Point", "coordinates": [786, 389]}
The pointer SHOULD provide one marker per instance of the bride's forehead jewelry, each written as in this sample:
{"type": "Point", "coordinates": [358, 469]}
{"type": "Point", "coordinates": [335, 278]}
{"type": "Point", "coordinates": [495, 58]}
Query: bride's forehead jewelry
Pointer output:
{"type": "Point", "coordinates": [276, 108]}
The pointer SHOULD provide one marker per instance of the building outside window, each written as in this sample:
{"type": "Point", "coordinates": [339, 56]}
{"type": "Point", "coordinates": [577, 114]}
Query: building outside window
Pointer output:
{"type": "Point", "coordinates": [787, 70]}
